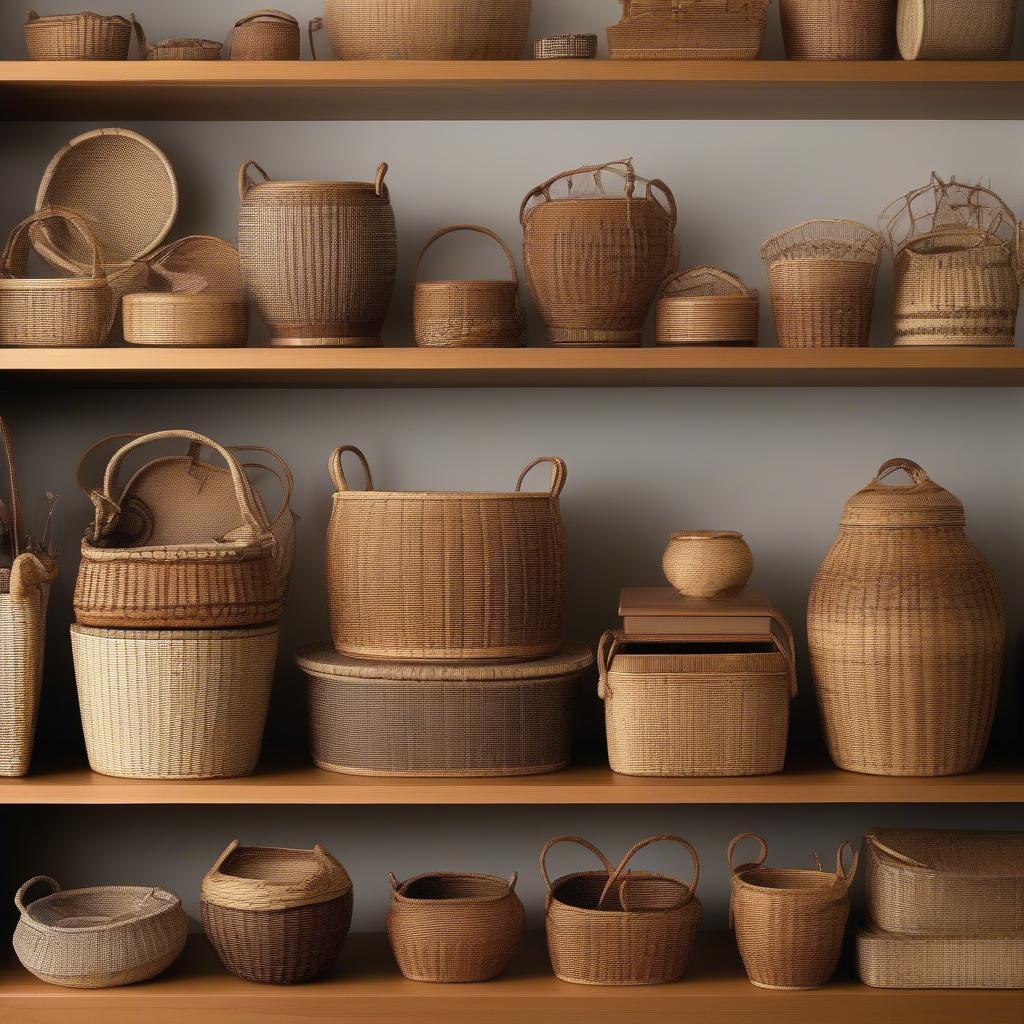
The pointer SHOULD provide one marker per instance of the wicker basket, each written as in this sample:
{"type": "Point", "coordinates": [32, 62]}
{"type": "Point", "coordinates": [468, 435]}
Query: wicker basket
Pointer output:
{"type": "Point", "coordinates": [453, 577]}
{"type": "Point", "coordinates": [101, 937]}
{"type": "Point", "coordinates": [276, 916]}
{"type": "Point", "coordinates": [570, 46]}
{"type": "Point", "coordinates": [822, 277]}
{"type": "Point", "coordinates": [906, 633]}
{"type": "Point", "coordinates": [619, 927]}
{"type": "Point", "coordinates": [84, 36]}
{"type": "Point", "coordinates": [838, 29]}
{"type": "Point", "coordinates": [446, 721]}
{"type": "Point", "coordinates": [947, 30]}
{"type": "Point", "coordinates": [689, 30]}
{"type": "Point", "coordinates": [180, 48]}
{"type": "Point", "coordinates": [942, 882]}
{"type": "Point", "coordinates": [468, 314]}
{"type": "Point", "coordinates": [707, 306]}
{"type": "Point", "coordinates": [266, 35]}
{"type": "Point", "coordinates": [789, 923]}
{"type": "Point", "coordinates": [454, 927]}
{"type": "Point", "coordinates": [707, 563]}
{"type": "Point", "coordinates": [697, 709]}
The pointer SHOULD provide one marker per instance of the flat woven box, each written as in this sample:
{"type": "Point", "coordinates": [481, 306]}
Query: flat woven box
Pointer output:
{"type": "Point", "coordinates": [571, 46]}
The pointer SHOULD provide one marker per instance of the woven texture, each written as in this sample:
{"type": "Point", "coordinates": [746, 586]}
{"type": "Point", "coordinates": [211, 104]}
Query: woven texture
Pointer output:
{"type": "Point", "coordinates": [939, 882]}
{"type": "Point", "coordinates": [182, 320]}
{"type": "Point", "coordinates": [454, 927]}
{"type": "Point", "coordinates": [101, 937]}
{"type": "Point", "coordinates": [571, 46]}
{"type": "Point", "coordinates": [84, 36]}
{"type": "Point", "coordinates": [184, 48]}
{"type": "Point", "coordinates": [689, 30]}
{"type": "Point", "coordinates": [906, 633]}
{"type": "Point", "coordinates": [947, 30]}
{"type": "Point", "coordinates": [789, 923]}
{"type": "Point", "coordinates": [706, 306]}
{"type": "Point", "coordinates": [266, 35]}
{"type": "Point", "coordinates": [707, 563]}
{"type": "Point", "coordinates": [594, 261]}
{"type": "Point", "coordinates": [173, 705]}
{"type": "Point", "coordinates": [376, 718]}
{"type": "Point", "coordinates": [838, 29]}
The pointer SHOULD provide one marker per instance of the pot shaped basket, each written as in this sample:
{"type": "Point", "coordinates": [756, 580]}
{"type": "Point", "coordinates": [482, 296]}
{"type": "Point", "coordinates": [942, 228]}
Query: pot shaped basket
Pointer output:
{"type": "Point", "coordinates": [594, 261]}
{"type": "Point", "coordinates": [101, 937]}
{"type": "Point", "coordinates": [707, 563]}
{"type": "Point", "coordinates": [689, 30]}
{"type": "Point", "coordinates": [906, 633]}
{"type": "Point", "coordinates": [276, 916]}
{"type": "Point", "coordinates": [707, 306]}
{"type": "Point", "coordinates": [619, 927]}
{"type": "Point", "coordinates": [946, 30]}
{"type": "Point", "coordinates": [178, 48]}
{"type": "Point", "coordinates": [838, 29]}
{"type": "Point", "coordinates": [84, 36]}
{"type": "Point", "coordinates": [789, 923]}
{"type": "Point", "coordinates": [266, 35]}
{"type": "Point", "coordinates": [448, 927]}
{"type": "Point", "coordinates": [452, 576]}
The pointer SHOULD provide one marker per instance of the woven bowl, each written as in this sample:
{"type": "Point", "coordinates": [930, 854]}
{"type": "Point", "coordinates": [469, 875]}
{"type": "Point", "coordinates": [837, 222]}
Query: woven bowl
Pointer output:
{"type": "Point", "coordinates": [707, 563]}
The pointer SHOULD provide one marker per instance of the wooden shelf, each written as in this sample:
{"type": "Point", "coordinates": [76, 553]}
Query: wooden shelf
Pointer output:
{"type": "Point", "coordinates": [366, 986]}
{"type": "Point", "coordinates": [503, 90]}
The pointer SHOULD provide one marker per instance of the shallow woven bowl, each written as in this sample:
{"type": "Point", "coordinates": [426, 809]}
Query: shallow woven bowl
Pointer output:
{"type": "Point", "coordinates": [707, 563]}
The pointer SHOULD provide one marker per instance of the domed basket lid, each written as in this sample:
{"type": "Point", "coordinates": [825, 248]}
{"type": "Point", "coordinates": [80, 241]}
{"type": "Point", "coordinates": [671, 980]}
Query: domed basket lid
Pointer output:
{"type": "Point", "coordinates": [920, 503]}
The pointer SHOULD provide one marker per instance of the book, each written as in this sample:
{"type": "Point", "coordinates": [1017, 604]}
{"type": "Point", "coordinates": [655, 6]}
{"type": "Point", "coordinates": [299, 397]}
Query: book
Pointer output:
{"type": "Point", "coordinates": [662, 612]}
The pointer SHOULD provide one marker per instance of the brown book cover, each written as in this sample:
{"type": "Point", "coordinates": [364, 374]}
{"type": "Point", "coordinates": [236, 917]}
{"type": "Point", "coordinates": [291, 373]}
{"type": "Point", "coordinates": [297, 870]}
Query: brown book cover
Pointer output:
{"type": "Point", "coordinates": [661, 611]}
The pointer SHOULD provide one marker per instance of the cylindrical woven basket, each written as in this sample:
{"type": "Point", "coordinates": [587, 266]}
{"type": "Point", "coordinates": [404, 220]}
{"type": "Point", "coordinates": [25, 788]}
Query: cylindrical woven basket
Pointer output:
{"type": "Point", "coordinates": [166, 704]}
{"type": "Point", "coordinates": [619, 927]}
{"type": "Point", "coordinates": [838, 29]}
{"type": "Point", "coordinates": [181, 320]}
{"type": "Point", "coordinates": [468, 314]}
{"type": "Point", "coordinates": [84, 36]}
{"type": "Point", "coordinates": [950, 30]}
{"type": "Point", "coordinates": [454, 928]}
{"type": "Point", "coordinates": [790, 924]}
{"type": "Point", "coordinates": [448, 721]}
{"type": "Point", "coordinates": [706, 306]}
{"type": "Point", "coordinates": [906, 632]}
{"type": "Point", "coordinates": [689, 30]}
{"type": "Point", "coordinates": [276, 916]}
{"type": "Point", "coordinates": [707, 563]}
{"type": "Point", "coordinates": [178, 48]}
{"type": "Point", "coordinates": [101, 937]}
{"type": "Point", "coordinates": [570, 46]}
{"type": "Point", "coordinates": [266, 34]}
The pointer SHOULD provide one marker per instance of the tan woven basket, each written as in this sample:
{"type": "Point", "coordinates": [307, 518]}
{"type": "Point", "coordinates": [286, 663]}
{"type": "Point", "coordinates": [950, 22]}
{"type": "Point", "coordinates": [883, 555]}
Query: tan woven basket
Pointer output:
{"type": "Point", "coordinates": [689, 30]}
{"type": "Point", "coordinates": [266, 34]}
{"type": "Point", "coordinates": [101, 937]}
{"type": "Point", "coordinates": [594, 262]}
{"type": "Point", "coordinates": [698, 709]}
{"type": "Point", "coordinates": [468, 314]}
{"type": "Point", "coordinates": [949, 30]}
{"type": "Point", "coordinates": [570, 46]}
{"type": "Point", "coordinates": [707, 563]}
{"type": "Point", "coordinates": [706, 306]}
{"type": "Point", "coordinates": [446, 721]}
{"type": "Point", "coordinates": [276, 916]}
{"type": "Point", "coordinates": [906, 633]}
{"type": "Point", "coordinates": [790, 924]}
{"type": "Point", "coordinates": [84, 36]}
{"type": "Point", "coordinates": [838, 29]}
{"type": "Point", "coordinates": [943, 882]}
{"type": "Point", "coordinates": [178, 48]}
{"type": "Point", "coordinates": [448, 927]}
{"type": "Point", "coordinates": [620, 927]}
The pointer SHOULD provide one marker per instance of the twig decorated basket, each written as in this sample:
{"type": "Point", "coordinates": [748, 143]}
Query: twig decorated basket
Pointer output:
{"type": "Point", "coordinates": [951, 30]}
{"type": "Point", "coordinates": [689, 30]}
{"type": "Point", "coordinates": [839, 29]}
{"type": "Point", "coordinates": [84, 36]}
{"type": "Point", "coordinates": [706, 306]}
{"type": "Point", "coordinates": [266, 34]}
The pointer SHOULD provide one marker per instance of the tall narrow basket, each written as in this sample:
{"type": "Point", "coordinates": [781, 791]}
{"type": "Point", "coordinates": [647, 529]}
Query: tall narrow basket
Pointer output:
{"type": "Point", "coordinates": [838, 29]}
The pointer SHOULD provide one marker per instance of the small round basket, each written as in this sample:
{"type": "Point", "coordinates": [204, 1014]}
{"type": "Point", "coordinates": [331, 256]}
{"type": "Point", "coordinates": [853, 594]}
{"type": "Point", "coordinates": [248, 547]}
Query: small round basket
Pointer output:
{"type": "Point", "coordinates": [84, 36]}
{"type": "Point", "coordinates": [571, 46]}
{"type": "Point", "coordinates": [838, 29]}
{"type": "Point", "coordinates": [178, 48]}
{"type": "Point", "coordinates": [266, 35]}
{"type": "Point", "coordinates": [707, 563]}
{"type": "Point", "coordinates": [706, 306]}
{"type": "Point", "coordinates": [951, 30]}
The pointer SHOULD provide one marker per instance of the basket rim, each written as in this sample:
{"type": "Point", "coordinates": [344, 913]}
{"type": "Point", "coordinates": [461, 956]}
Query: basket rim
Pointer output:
{"type": "Point", "coordinates": [400, 894]}
{"type": "Point", "coordinates": [693, 901]}
{"type": "Point", "coordinates": [171, 900]}
{"type": "Point", "coordinates": [205, 551]}
{"type": "Point", "coordinates": [825, 882]}
{"type": "Point", "coordinates": [880, 852]}
{"type": "Point", "coordinates": [161, 635]}
{"type": "Point", "coordinates": [446, 495]}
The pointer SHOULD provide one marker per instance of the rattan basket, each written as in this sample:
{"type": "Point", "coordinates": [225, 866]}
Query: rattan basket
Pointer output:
{"type": "Point", "coordinates": [790, 924]}
{"type": "Point", "coordinates": [448, 927]}
{"type": "Point", "coordinates": [276, 916]}
{"type": "Point", "coordinates": [84, 36]}
{"type": "Point", "coordinates": [706, 306]}
{"type": "Point", "coordinates": [569, 46]}
{"type": "Point", "coordinates": [707, 563]}
{"type": "Point", "coordinates": [101, 937]}
{"type": "Point", "coordinates": [838, 29]}
{"type": "Point", "coordinates": [266, 34]}
{"type": "Point", "coordinates": [950, 30]}
{"type": "Point", "coordinates": [178, 48]}
{"type": "Point", "coordinates": [689, 30]}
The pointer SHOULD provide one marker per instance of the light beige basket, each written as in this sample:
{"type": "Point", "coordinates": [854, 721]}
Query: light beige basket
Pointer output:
{"type": "Point", "coordinates": [706, 306]}
{"type": "Point", "coordinates": [707, 563]}
{"type": "Point", "coordinates": [949, 30]}
{"type": "Point", "coordinates": [838, 29]}
{"type": "Point", "coordinates": [689, 30]}
{"type": "Point", "coordinates": [178, 48]}
{"type": "Point", "coordinates": [570, 46]}
{"type": "Point", "coordinates": [266, 34]}
{"type": "Point", "coordinates": [84, 36]}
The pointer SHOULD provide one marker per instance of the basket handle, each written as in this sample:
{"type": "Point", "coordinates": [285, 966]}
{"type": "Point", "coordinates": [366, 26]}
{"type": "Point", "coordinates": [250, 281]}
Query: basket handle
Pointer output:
{"type": "Point", "coordinates": [559, 473]}
{"type": "Point", "coordinates": [228, 850]}
{"type": "Point", "coordinates": [28, 572]}
{"type": "Point", "coordinates": [620, 869]}
{"type": "Point", "coordinates": [605, 654]}
{"type": "Point", "coordinates": [722, 275]}
{"type": "Point", "coordinates": [19, 896]}
{"type": "Point", "coordinates": [144, 48]}
{"type": "Point", "coordinates": [479, 229]}
{"type": "Point", "coordinates": [846, 875]}
{"type": "Point", "coordinates": [657, 183]}
{"type": "Point", "coordinates": [894, 854]}
{"type": "Point", "coordinates": [788, 645]}
{"type": "Point", "coordinates": [269, 14]}
{"type": "Point", "coordinates": [315, 25]}
{"type": "Point", "coordinates": [544, 188]}
{"type": "Point", "coordinates": [911, 468]}
{"type": "Point", "coordinates": [605, 862]}
{"type": "Point", "coordinates": [244, 181]}
{"type": "Point", "coordinates": [337, 470]}
{"type": "Point", "coordinates": [12, 481]}
{"type": "Point", "coordinates": [14, 258]}
{"type": "Point", "coordinates": [762, 854]}
{"type": "Point", "coordinates": [378, 182]}
{"type": "Point", "coordinates": [282, 474]}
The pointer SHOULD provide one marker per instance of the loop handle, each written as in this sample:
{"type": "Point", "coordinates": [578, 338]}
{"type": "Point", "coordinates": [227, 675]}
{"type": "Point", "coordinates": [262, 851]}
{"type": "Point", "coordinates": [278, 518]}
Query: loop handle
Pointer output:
{"type": "Point", "coordinates": [761, 857]}
{"type": "Point", "coordinates": [479, 229]}
{"type": "Point", "coordinates": [675, 283]}
{"type": "Point", "coordinates": [605, 655]}
{"type": "Point", "coordinates": [788, 645]}
{"type": "Point", "coordinates": [219, 863]}
{"type": "Point", "coordinates": [512, 881]}
{"type": "Point", "coordinates": [613, 166]}
{"type": "Point", "coordinates": [268, 14]}
{"type": "Point", "coordinates": [19, 896]}
{"type": "Point", "coordinates": [874, 841]}
{"type": "Point", "coordinates": [14, 258]}
{"type": "Point", "coordinates": [395, 883]}
{"type": "Point", "coordinates": [244, 181]}
{"type": "Point", "coordinates": [551, 843]}
{"type": "Point", "coordinates": [315, 25]}
{"type": "Point", "coordinates": [657, 183]}
{"type": "Point", "coordinates": [29, 572]}
{"type": "Point", "coordinates": [12, 493]}
{"type": "Point", "coordinates": [378, 182]}
{"type": "Point", "coordinates": [843, 874]}
{"type": "Point", "coordinates": [559, 474]}
{"type": "Point", "coordinates": [620, 869]}
{"type": "Point", "coordinates": [911, 468]}
{"type": "Point", "coordinates": [282, 474]}
{"type": "Point", "coordinates": [337, 470]}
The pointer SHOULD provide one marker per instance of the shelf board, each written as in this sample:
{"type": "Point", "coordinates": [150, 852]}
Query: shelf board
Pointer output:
{"type": "Point", "coordinates": [509, 90]}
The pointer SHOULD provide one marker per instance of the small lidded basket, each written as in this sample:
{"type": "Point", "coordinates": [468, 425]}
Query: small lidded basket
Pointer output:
{"type": "Point", "coordinates": [706, 306]}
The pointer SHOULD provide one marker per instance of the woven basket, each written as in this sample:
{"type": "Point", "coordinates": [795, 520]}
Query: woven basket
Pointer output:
{"type": "Point", "coordinates": [942, 882]}
{"type": "Point", "coordinates": [619, 927]}
{"type": "Point", "coordinates": [84, 36]}
{"type": "Point", "coordinates": [100, 937]}
{"type": "Point", "coordinates": [689, 30]}
{"type": "Point", "coordinates": [822, 277]}
{"type": "Point", "coordinates": [789, 923]}
{"type": "Point", "coordinates": [706, 306]}
{"type": "Point", "coordinates": [906, 633]}
{"type": "Point", "coordinates": [446, 721]}
{"type": "Point", "coordinates": [947, 30]}
{"type": "Point", "coordinates": [468, 314]}
{"type": "Point", "coordinates": [276, 916]}
{"type": "Point", "coordinates": [266, 35]}
{"type": "Point", "coordinates": [570, 46]}
{"type": "Point", "coordinates": [454, 927]}
{"type": "Point", "coordinates": [838, 29]}
{"type": "Point", "coordinates": [699, 709]}
{"type": "Point", "coordinates": [453, 576]}
{"type": "Point", "coordinates": [707, 563]}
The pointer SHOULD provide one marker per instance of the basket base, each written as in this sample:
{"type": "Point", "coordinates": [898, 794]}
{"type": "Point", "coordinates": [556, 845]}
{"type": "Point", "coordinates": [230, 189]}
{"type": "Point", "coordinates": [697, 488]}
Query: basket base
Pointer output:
{"type": "Point", "coordinates": [785, 988]}
{"type": "Point", "coordinates": [326, 343]}
{"type": "Point", "coordinates": [746, 343]}
{"type": "Point", "coordinates": [116, 979]}
{"type": "Point", "coordinates": [437, 773]}
{"type": "Point", "coordinates": [596, 344]}
{"type": "Point", "coordinates": [955, 342]}
{"type": "Point", "coordinates": [109, 773]}
{"type": "Point", "coordinates": [186, 344]}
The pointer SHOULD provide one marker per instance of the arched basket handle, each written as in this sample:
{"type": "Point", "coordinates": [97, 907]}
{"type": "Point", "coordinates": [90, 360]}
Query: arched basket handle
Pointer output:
{"type": "Point", "coordinates": [606, 647]}
{"type": "Point", "coordinates": [245, 182]}
{"type": "Point", "coordinates": [762, 855]}
{"type": "Point", "coordinates": [19, 896]}
{"type": "Point", "coordinates": [222, 859]}
{"type": "Point", "coordinates": [551, 843]}
{"type": "Point", "coordinates": [544, 188]}
{"type": "Point", "coordinates": [911, 468]}
{"type": "Point", "coordinates": [479, 229]}
{"type": "Point", "coordinates": [14, 258]}
{"type": "Point", "coordinates": [315, 25]}
{"type": "Point", "coordinates": [845, 875]}
{"type": "Point", "coordinates": [378, 181]}
{"type": "Point", "coordinates": [872, 840]}
{"type": "Point", "coordinates": [337, 470]}
{"type": "Point", "coordinates": [268, 14]}
{"type": "Point", "coordinates": [620, 870]}
{"type": "Point", "coordinates": [559, 473]}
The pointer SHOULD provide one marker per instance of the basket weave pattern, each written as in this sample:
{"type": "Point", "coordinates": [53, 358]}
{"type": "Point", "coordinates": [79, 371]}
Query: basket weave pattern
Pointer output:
{"type": "Point", "coordinates": [946, 30]}
{"type": "Point", "coordinates": [84, 36]}
{"type": "Point", "coordinates": [571, 46]}
{"type": "Point", "coordinates": [266, 35]}
{"type": "Point", "coordinates": [707, 306]}
{"type": "Point", "coordinates": [838, 29]}
{"type": "Point", "coordinates": [689, 30]}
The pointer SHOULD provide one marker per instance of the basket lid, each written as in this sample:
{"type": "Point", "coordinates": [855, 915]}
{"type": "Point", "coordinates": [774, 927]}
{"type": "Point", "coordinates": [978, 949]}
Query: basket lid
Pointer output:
{"type": "Point", "coordinates": [977, 854]}
{"type": "Point", "coordinates": [922, 503]}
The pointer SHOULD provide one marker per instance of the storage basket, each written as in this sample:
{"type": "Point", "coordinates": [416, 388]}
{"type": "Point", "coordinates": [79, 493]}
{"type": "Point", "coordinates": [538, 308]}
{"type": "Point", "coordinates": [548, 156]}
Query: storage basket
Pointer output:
{"type": "Point", "coordinates": [707, 306]}
{"type": "Point", "coordinates": [838, 29]}
{"type": "Point", "coordinates": [448, 721]}
{"type": "Point", "coordinates": [690, 709]}
{"type": "Point", "coordinates": [707, 563]}
{"type": "Point", "coordinates": [619, 927]}
{"type": "Point", "coordinates": [468, 314]}
{"type": "Point", "coordinates": [179, 48]}
{"type": "Point", "coordinates": [822, 277]}
{"type": "Point", "coordinates": [319, 257]}
{"type": "Point", "coordinates": [101, 937]}
{"type": "Point", "coordinates": [63, 312]}
{"type": "Point", "coordinates": [266, 35]}
{"type": "Point", "coordinates": [906, 633]}
{"type": "Point", "coordinates": [570, 46]}
{"type": "Point", "coordinates": [452, 576]}
{"type": "Point", "coordinates": [789, 923]}
{"type": "Point", "coordinates": [689, 30]}
{"type": "Point", "coordinates": [184, 544]}
{"type": "Point", "coordinates": [448, 927]}
{"type": "Point", "coordinates": [594, 261]}
{"type": "Point", "coordinates": [947, 30]}
{"type": "Point", "coordinates": [943, 882]}
{"type": "Point", "coordinates": [84, 36]}
{"type": "Point", "coordinates": [276, 916]}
